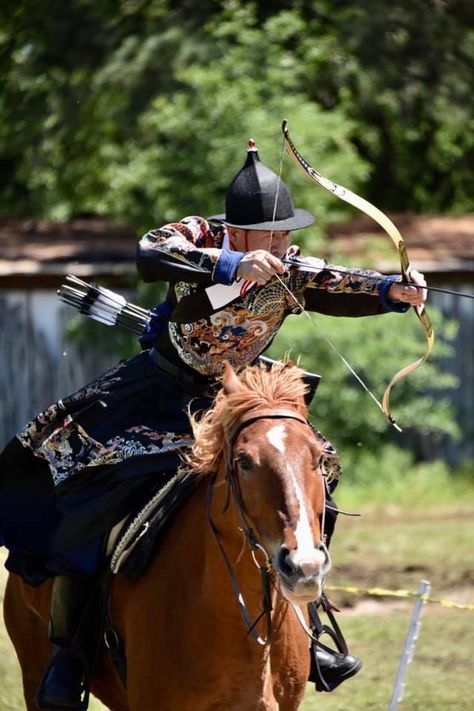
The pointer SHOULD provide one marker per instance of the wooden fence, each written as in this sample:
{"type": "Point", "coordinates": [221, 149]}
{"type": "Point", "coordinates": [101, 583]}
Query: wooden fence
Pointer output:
{"type": "Point", "coordinates": [35, 372]}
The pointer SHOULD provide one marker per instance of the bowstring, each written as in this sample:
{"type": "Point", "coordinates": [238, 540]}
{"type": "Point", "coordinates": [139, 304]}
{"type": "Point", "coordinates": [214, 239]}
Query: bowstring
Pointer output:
{"type": "Point", "coordinates": [330, 343]}
{"type": "Point", "coordinates": [309, 317]}
{"type": "Point", "coordinates": [275, 204]}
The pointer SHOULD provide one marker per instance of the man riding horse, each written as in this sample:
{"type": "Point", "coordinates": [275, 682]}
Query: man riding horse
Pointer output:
{"type": "Point", "coordinates": [83, 464]}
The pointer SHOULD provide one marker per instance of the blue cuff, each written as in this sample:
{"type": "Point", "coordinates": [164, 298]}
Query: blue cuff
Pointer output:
{"type": "Point", "coordinates": [397, 306]}
{"type": "Point", "coordinates": [159, 317]}
{"type": "Point", "coordinates": [226, 266]}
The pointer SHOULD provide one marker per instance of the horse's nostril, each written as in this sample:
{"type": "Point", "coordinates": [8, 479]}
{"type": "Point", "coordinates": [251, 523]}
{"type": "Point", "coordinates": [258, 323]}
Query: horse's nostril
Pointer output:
{"type": "Point", "coordinates": [284, 562]}
{"type": "Point", "coordinates": [294, 564]}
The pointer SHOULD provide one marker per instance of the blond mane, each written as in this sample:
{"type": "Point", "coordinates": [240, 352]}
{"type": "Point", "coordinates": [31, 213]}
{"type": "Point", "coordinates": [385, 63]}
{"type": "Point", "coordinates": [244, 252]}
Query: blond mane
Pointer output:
{"type": "Point", "coordinates": [279, 387]}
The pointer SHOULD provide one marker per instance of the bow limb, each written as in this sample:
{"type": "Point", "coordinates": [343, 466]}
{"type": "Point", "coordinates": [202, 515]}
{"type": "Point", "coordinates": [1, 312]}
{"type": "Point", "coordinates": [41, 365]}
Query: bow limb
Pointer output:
{"type": "Point", "coordinates": [392, 231]}
{"type": "Point", "coordinates": [425, 321]}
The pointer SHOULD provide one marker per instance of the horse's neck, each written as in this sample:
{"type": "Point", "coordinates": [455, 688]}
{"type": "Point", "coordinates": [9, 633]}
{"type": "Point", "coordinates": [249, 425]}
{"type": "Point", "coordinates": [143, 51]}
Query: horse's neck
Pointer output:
{"type": "Point", "coordinates": [208, 531]}
{"type": "Point", "coordinates": [190, 582]}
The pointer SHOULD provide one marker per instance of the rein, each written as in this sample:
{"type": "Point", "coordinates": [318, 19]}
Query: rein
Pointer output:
{"type": "Point", "coordinates": [250, 537]}
{"type": "Point", "coordinates": [265, 571]}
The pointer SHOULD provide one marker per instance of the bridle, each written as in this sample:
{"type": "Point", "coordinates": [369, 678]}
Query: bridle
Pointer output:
{"type": "Point", "coordinates": [256, 548]}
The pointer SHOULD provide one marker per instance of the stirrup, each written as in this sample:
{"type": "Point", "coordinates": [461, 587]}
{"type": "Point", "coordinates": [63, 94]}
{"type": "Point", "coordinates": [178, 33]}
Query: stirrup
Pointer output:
{"type": "Point", "coordinates": [58, 657]}
{"type": "Point", "coordinates": [318, 629]}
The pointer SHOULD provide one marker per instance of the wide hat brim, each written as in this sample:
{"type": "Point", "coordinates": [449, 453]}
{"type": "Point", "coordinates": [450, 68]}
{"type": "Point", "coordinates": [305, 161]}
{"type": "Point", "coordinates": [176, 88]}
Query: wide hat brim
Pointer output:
{"type": "Point", "coordinates": [299, 220]}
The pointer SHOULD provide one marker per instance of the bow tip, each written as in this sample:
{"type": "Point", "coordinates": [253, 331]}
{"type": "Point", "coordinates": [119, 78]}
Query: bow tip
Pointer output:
{"type": "Point", "coordinates": [394, 423]}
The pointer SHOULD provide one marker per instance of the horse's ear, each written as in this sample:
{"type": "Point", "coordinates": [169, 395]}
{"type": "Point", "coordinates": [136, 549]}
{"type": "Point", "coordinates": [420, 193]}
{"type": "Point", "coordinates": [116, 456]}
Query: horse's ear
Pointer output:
{"type": "Point", "coordinates": [230, 382]}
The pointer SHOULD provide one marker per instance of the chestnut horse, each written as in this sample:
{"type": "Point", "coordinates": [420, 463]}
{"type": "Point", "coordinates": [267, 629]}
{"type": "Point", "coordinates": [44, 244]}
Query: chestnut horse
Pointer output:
{"type": "Point", "coordinates": [256, 516]}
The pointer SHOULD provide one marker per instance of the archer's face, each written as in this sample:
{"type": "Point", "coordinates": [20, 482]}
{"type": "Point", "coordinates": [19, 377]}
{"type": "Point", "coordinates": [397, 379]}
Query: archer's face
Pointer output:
{"type": "Point", "coordinates": [275, 242]}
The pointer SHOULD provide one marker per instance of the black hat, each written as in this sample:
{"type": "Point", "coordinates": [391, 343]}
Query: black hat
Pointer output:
{"type": "Point", "coordinates": [257, 199]}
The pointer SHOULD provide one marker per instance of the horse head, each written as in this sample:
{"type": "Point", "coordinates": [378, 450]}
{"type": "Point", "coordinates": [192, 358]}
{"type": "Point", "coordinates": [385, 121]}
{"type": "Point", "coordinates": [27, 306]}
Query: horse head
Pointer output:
{"type": "Point", "coordinates": [272, 463]}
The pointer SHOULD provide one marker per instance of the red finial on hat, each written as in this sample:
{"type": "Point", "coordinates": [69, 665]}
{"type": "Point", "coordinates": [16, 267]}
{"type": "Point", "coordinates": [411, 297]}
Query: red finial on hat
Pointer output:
{"type": "Point", "coordinates": [251, 145]}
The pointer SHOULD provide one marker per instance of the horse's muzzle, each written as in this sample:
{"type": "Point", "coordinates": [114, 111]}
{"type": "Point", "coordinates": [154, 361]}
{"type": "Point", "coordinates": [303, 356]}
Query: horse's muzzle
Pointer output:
{"type": "Point", "coordinates": [302, 576]}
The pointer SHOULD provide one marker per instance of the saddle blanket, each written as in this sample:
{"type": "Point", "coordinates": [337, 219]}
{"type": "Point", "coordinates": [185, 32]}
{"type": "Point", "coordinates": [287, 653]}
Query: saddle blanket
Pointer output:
{"type": "Point", "coordinates": [133, 541]}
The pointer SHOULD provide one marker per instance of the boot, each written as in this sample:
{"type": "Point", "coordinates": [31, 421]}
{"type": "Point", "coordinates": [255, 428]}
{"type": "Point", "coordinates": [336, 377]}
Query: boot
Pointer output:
{"type": "Point", "coordinates": [66, 681]}
{"type": "Point", "coordinates": [63, 685]}
{"type": "Point", "coordinates": [330, 668]}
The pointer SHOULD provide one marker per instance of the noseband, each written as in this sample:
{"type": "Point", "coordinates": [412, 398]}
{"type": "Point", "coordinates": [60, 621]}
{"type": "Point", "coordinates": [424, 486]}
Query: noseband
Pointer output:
{"type": "Point", "coordinates": [250, 537]}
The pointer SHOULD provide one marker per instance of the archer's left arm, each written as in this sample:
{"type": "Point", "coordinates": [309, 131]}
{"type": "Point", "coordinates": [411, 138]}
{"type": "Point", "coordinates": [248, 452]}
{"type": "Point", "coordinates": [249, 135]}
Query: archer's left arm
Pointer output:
{"type": "Point", "coordinates": [360, 292]}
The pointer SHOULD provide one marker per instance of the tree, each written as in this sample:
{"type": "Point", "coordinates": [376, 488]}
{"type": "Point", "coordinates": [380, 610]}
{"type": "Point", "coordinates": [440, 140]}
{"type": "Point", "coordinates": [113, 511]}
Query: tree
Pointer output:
{"type": "Point", "coordinates": [140, 111]}
{"type": "Point", "coordinates": [123, 108]}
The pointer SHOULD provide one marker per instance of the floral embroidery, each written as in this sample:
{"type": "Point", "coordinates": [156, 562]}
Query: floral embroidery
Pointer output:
{"type": "Point", "coordinates": [71, 435]}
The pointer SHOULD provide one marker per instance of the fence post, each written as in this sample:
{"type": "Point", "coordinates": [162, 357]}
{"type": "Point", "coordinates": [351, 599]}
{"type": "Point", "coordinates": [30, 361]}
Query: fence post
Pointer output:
{"type": "Point", "coordinates": [409, 648]}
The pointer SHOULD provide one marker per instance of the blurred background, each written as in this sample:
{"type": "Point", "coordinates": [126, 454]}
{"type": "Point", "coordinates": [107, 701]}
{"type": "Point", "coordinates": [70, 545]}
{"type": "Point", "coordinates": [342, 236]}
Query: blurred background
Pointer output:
{"type": "Point", "coordinates": [117, 116]}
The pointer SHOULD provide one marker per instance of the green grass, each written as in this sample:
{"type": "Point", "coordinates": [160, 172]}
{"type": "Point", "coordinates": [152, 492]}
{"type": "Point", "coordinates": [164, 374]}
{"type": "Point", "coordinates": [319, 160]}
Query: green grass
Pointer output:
{"type": "Point", "coordinates": [394, 545]}
{"type": "Point", "coordinates": [399, 550]}
{"type": "Point", "coordinates": [406, 534]}
{"type": "Point", "coordinates": [439, 678]}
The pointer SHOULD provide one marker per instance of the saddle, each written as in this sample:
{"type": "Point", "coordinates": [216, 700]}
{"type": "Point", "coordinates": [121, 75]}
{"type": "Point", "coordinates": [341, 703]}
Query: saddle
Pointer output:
{"type": "Point", "coordinates": [134, 540]}
{"type": "Point", "coordinates": [132, 545]}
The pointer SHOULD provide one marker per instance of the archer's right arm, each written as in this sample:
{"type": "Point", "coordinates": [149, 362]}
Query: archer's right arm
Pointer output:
{"type": "Point", "coordinates": [185, 251]}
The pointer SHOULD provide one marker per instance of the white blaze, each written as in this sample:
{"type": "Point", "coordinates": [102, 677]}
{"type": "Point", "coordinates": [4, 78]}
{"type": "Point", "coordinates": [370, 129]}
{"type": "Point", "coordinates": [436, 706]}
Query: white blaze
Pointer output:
{"type": "Point", "coordinates": [305, 555]}
{"type": "Point", "coordinates": [303, 532]}
{"type": "Point", "coordinates": [276, 436]}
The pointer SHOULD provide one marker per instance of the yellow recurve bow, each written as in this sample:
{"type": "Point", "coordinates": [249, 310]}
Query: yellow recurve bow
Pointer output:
{"type": "Point", "coordinates": [365, 206]}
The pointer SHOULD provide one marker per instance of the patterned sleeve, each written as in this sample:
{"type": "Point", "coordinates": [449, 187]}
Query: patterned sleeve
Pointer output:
{"type": "Point", "coordinates": [189, 251]}
{"type": "Point", "coordinates": [350, 292]}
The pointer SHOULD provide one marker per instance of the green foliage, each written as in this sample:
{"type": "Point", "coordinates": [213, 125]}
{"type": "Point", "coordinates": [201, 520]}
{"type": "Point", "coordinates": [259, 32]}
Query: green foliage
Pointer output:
{"type": "Point", "coordinates": [403, 72]}
{"type": "Point", "coordinates": [185, 149]}
{"type": "Point", "coordinates": [141, 110]}
{"type": "Point", "coordinates": [376, 348]}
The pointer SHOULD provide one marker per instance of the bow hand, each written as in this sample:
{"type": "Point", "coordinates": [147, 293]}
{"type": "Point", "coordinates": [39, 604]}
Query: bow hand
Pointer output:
{"type": "Point", "coordinates": [411, 291]}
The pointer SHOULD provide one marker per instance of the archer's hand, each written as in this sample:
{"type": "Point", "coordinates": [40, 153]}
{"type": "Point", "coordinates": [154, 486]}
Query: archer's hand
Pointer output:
{"type": "Point", "coordinates": [407, 293]}
{"type": "Point", "coordinates": [259, 266]}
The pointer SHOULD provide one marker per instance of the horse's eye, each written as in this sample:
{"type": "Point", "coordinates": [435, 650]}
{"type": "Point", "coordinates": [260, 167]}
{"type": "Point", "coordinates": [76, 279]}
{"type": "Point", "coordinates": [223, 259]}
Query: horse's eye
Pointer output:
{"type": "Point", "coordinates": [244, 462]}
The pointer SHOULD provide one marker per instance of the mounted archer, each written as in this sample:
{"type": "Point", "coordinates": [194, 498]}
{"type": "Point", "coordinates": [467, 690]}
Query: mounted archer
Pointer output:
{"type": "Point", "coordinates": [86, 461]}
